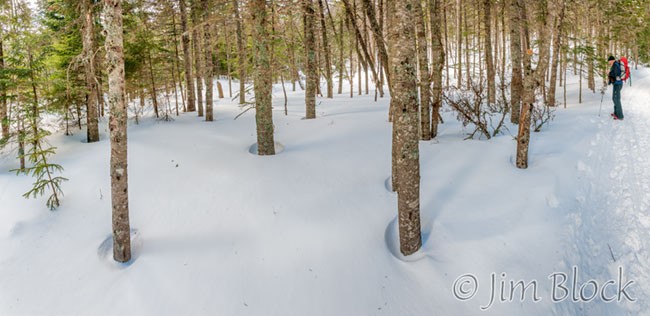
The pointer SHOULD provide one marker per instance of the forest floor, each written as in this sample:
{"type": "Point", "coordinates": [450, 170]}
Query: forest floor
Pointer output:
{"type": "Point", "coordinates": [311, 231]}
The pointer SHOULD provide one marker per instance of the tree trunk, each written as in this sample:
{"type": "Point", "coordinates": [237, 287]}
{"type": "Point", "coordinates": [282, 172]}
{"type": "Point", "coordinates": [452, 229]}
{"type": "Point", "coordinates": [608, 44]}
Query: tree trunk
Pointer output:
{"type": "Point", "coordinates": [459, 42]}
{"type": "Point", "coordinates": [351, 12]}
{"type": "Point", "coordinates": [516, 83]}
{"type": "Point", "coordinates": [379, 39]}
{"type": "Point", "coordinates": [591, 80]}
{"type": "Point", "coordinates": [117, 125]}
{"type": "Point", "coordinates": [556, 55]}
{"type": "Point", "coordinates": [176, 64]}
{"type": "Point", "coordinates": [310, 58]}
{"type": "Point", "coordinates": [341, 61]}
{"type": "Point", "coordinates": [489, 62]}
{"type": "Point", "coordinates": [528, 98]}
{"type": "Point", "coordinates": [532, 80]}
{"type": "Point", "coordinates": [438, 60]}
{"type": "Point", "coordinates": [241, 53]}
{"type": "Point", "coordinates": [187, 59]}
{"type": "Point", "coordinates": [198, 65]}
{"type": "Point", "coordinates": [154, 93]}
{"type": "Point", "coordinates": [262, 79]}
{"type": "Point", "coordinates": [403, 62]}
{"type": "Point", "coordinates": [209, 69]}
{"type": "Point", "coordinates": [423, 63]}
{"type": "Point", "coordinates": [327, 52]}
{"type": "Point", "coordinates": [4, 118]}
{"type": "Point", "coordinates": [88, 34]}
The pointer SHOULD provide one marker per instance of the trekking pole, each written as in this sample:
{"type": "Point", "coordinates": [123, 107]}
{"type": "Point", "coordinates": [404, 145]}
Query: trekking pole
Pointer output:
{"type": "Point", "coordinates": [602, 96]}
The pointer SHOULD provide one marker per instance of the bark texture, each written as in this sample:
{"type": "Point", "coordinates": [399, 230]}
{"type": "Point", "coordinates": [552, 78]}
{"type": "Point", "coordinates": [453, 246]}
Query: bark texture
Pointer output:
{"type": "Point", "coordinates": [262, 79]}
{"type": "Point", "coordinates": [92, 131]}
{"type": "Point", "coordinates": [207, 48]}
{"type": "Point", "coordinates": [403, 62]}
{"type": "Point", "coordinates": [423, 64]}
{"type": "Point", "coordinates": [516, 83]}
{"type": "Point", "coordinates": [117, 125]}
{"type": "Point", "coordinates": [310, 58]}
{"type": "Point", "coordinates": [438, 63]}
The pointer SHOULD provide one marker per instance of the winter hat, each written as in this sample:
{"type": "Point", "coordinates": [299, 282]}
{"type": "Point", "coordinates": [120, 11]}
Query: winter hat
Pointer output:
{"type": "Point", "coordinates": [611, 58]}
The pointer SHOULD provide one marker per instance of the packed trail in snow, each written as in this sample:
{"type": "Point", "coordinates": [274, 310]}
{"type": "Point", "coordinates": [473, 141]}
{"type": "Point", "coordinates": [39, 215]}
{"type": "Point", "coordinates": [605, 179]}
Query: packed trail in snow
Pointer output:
{"type": "Point", "coordinates": [614, 219]}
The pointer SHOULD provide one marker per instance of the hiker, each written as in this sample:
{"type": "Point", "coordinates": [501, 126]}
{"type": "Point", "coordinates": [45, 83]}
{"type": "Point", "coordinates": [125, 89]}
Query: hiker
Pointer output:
{"type": "Point", "coordinates": [616, 79]}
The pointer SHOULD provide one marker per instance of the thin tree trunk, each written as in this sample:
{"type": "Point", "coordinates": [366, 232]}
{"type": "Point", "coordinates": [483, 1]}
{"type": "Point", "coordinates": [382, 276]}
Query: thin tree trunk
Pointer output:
{"type": "Point", "coordinates": [341, 61]}
{"type": "Point", "coordinates": [406, 139]}
{"type": "Point", "coordinates": [4, 118]}
{"type": "Point", "coordinates": [310, 58]}
{"type": "Point", "coordinates": [327, 52]}
{"type": "Point", "coordinates": [379, 38]}
{"type": "Point", "coordinates": [459, 42]}
{"type": "Point", "coordinates": [226, 39]}
{"type": "Point", "coordinates": [516, 83]}
{"type": "Point", "coordinates": [119, 179]}
{"type": "Point", "coordinates": [447, 56]}
{"type": "Point", "coordinates": [209, 69]}
{"type": "Point", "coordinates": [528, 97]}
{"type": "Point", "coordinates": [438, 59]}
{"type": "Point", "coordinates": [154, 93]}
{"type": "Point", "coordinates": [359, 40]}
{"type": "Point", "coordinates": [88, 34]}
{"type": "Point", "coordinates": [100, 93]}
{"type": "Point", "coordinates": [241, 53]}
{"type": "Point", "coordinates": [489, 62]}
{"type": "Point", "coordinates": [262, 79]}
{"type": "Point", "coordinates": [423, 63]}
{"type": "Point", "coordinates": [556, 55]}
{"type": "Point", "coordinates": [532, 80]}
{"type": "Point", "coordinates": [351, 53]}
{"type": "Point", "coordinates": [177, 64]}
{"type": "Point", "coordinates": [187, 59]}
{"type": "Point", "coordinates": [198, 58]}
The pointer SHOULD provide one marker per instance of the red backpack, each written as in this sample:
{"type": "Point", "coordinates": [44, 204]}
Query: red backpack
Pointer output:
{"type": "Point", "coordinates": [625, 69]}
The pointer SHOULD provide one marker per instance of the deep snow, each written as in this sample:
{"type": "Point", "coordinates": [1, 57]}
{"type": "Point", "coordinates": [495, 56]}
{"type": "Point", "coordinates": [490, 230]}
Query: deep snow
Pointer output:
{"type": "Point", "coordinates": [311, 231]}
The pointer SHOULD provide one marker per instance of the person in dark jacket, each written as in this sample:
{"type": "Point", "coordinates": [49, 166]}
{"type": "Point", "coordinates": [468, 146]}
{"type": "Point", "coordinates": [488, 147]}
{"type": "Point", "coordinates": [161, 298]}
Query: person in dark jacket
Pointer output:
{"type": "Point", "coordinates": [615, 75]}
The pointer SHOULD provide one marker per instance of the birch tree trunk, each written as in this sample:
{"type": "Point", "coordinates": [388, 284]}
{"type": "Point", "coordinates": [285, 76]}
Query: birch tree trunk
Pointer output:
{"type": "Point", "coordinates": [187, 59]}
{"type": "Point", "coordinates": [92, 131]}
{"type": "Point", "coordinates": [262, 79]}
{"type": "Point", "coordinates": [403, 62]}
{"type": "Point", "coordinates": [117, 125]}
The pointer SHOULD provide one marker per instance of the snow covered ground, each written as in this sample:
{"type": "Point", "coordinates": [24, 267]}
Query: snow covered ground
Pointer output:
{"type": "Point", "coordinates": [311, 231]}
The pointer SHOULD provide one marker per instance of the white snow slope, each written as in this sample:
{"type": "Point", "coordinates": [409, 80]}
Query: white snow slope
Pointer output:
{"type": "Point", "coordinates": [311, 231]}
